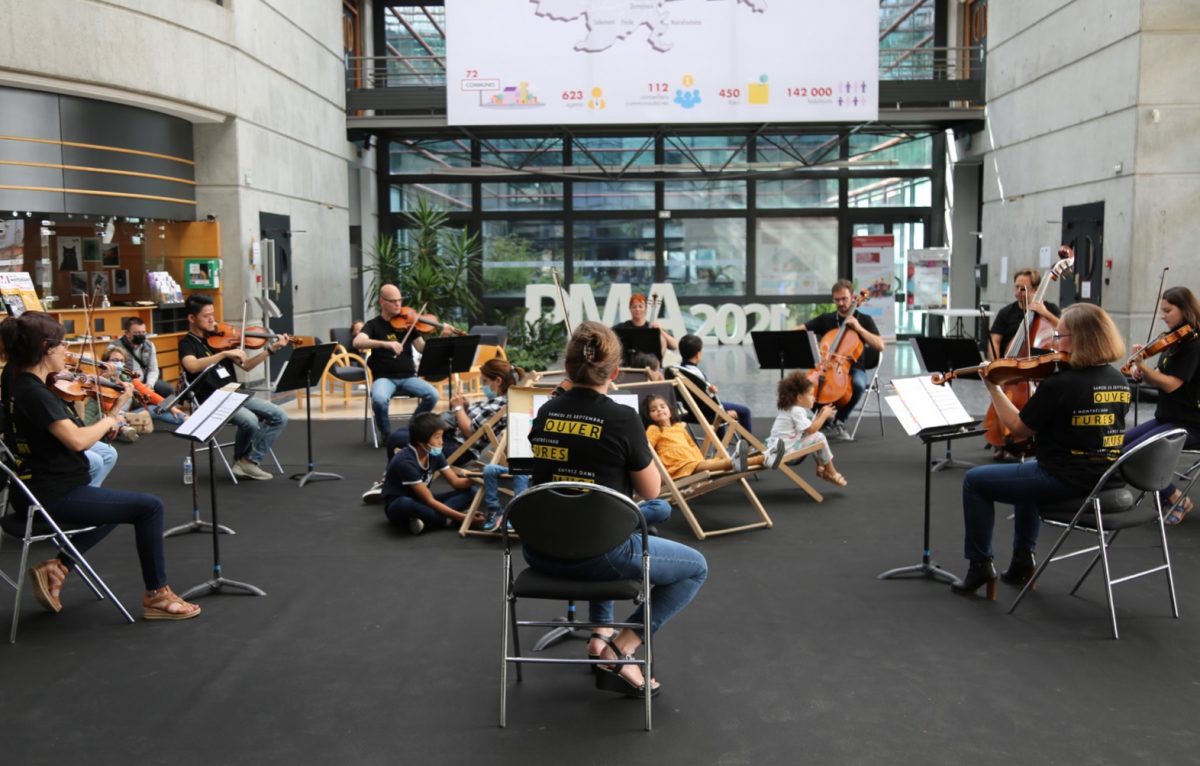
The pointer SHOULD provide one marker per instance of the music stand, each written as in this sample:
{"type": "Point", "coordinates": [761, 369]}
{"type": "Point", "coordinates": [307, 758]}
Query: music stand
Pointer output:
{"type": "Point", "coordinates": [303, 370]}
{"type": "Point", "coordinates": [196, 524]}
{"type": "Point", "coordinates": [944, 355]}
{"type": "Point", "coordinates": [785, 350]}
{"type": "Point", "coordinates": [442, 357]}
{"type": "Point", "coordinates": [203, 426]}
{"type": "Point", "coordinates": [639, 340]}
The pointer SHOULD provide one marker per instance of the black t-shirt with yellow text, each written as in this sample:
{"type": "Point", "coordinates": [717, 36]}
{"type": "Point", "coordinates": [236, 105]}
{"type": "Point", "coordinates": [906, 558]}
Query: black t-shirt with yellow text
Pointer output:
{"type": "Point", "coordinates": [382, 362]}
{"type": "Point", "coordinates": [585, 436]}
{"type": "Point", "coordinates": [1079, 418]}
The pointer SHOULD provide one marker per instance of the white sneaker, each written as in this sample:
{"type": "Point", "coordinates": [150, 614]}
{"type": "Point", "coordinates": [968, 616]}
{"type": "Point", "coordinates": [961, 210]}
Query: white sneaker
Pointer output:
{"type": "Point", "coordinates": [374, 495]}
{"type": "Point", "coordinates": [416, 526]}
{"type": "Point", "coordinates": [774, 454]}
{"type": "Point", "coordinates": [741, 456]}
{"type": "Point", "coordinates": [245, 470]}
{"type": "Point", "coordinates": [837, 431]}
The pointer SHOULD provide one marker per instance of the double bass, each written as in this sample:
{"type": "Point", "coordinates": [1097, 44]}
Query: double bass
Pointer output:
{"type": "Point", "coordinates": [1034, 332]}
{"type": "Point", "coordinates": [840, 349]}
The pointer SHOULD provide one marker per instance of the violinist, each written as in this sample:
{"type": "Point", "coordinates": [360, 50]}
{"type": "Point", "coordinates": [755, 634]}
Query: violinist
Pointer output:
{"type": "Point", "coordinates": [50, 441]}
{"type": "Point", "coordinates": [1177, 378]}
{"type": "Point", "coordinates": [1009, 319]}
{"type": "Point", "coordinates": [1078, 416]}
{"type": "Point", "coordinates": [846, 314]}
{"type": "Point", "coordinates": [638, 320]}
{"type": "Point", "coordinates": [259, 422]}
{"type": "Point", "coordinates": [391, 361]}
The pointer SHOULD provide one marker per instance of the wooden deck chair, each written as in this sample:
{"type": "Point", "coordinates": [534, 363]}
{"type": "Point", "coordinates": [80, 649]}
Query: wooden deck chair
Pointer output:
{"type": "Point", "coordinates": [681, 491]}
{"type": "Point", "coordinates": [701, 402]}
{"type": "Point", "coordinates": [492, 443]}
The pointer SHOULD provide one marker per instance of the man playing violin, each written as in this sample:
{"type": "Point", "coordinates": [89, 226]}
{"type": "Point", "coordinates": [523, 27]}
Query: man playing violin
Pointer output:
{"type": "Point", "coordinates": [391, 361]}
{"type": "Point", "coordinates": [1009, 319]}
{"type": "Point", "coordinates": [259, 422]}
{"type": "Point", "coordinates": [846, 314]}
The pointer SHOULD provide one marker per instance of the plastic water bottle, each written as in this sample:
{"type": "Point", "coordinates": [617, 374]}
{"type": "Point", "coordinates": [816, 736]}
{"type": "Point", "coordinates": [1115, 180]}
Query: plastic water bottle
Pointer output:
{"type": "Point", "coordinates": [187, 470]}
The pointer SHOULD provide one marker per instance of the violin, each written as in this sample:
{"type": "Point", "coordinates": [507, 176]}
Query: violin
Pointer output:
{"type": "Point", "coordinates": [409, 319]}
{"type": "Point", "coordinates": [75, 387]}
{"type": "Point", "coordinates": [1001, 372]}
{"type": "Point", "coordinates": [228, 336]}
{"type": "Point", "coordinates": [839, 351]}
{"type": "Point", "coordinates": [78, 359]}
{"type": "Point", "coordinates": [1160, 344]}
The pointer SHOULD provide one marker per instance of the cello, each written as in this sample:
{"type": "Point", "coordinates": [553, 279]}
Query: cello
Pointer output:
{"type": "Point", "coordinates": [1034, 332]}
{"type": "Point", "coordinates": [839, 351]}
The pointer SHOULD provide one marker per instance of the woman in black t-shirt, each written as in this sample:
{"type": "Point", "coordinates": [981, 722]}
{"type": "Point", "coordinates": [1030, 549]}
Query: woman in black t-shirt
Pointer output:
{"type": "Point", "coordinates": [49, 441]}
{"type": "Point", "coordinates": [582, 435]}
{"type": "Point", "coordinates": [1177, 378]}
{"type": "Point", "coordinates": [1078, 417]}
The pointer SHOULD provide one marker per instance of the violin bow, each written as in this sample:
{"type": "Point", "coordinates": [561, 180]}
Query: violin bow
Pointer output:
{"type": "Point", "coordinates": [88, 305]}
{"type": "Point", "coordinates": [1162, 280]}
{"type": "Point", "coordinates": [413, 326]}
{"type": "Point", "coordinates": [242, 343]}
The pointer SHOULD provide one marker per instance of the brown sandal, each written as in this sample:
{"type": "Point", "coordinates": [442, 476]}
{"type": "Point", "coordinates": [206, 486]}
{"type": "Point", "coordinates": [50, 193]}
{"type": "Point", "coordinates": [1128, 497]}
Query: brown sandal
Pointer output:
{"type": "Point", "coordinates": [831, 476]}
{"type": "Point", "coordinates": [164, 604]}
{"type": "Point", "coordinates": [48, 578]}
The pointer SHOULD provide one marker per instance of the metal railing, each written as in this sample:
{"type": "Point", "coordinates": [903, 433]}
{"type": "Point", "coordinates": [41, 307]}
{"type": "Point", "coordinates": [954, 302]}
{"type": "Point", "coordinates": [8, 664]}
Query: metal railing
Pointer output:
{"type": "Point", "coordinates": [920, 63]}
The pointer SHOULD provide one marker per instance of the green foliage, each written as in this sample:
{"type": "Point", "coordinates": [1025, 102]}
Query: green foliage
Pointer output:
{"type": "Point", "coordinates": [535, 345]}
{"type": "Point", "coordinates": [501, 280]}
{"type": "Point", "coordinates": [433, 268]}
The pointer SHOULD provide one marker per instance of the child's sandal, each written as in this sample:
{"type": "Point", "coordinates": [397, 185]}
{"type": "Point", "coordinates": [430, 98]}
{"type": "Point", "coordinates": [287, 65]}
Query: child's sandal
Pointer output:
{"type": "Point", "coordinates": [164, 604]}
{"type": "Point", "coordinates": [830, 475]}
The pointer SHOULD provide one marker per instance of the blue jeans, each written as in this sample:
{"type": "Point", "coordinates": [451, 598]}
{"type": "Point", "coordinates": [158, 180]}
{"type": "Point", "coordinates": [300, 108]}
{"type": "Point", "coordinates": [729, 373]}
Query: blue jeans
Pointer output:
{"type": "Point", "coordinates": [656, 511]}
{"type": "Point", "coordinates": [676, 574]}
{"type": "Point", "coordinates": [743, 415]}
{"type": "Point", "coordinates": [491, 485]}
{"type": "Point", "coordinates": [1144, 431]}
{"type": "Point", "coordinates": [259, 424]}
{"type": "Point", "coordinates": [858, 385]}
{"type": "Point", "coordinates": [400, 509]}
{"type": "Point", "coordinates": [1021, 485]}
{"type": "Point", "coordinates": [102, 458]}
{"type": "Point", "coordinates": [105, 508]}
{"type": "Point", "coordinates": [383, 389]}
{"type": "Point", "coordinates": [165, 416]}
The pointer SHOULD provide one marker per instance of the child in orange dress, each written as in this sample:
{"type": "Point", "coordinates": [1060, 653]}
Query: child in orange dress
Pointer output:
{"type": "Point", "coordinates": [674, 444]}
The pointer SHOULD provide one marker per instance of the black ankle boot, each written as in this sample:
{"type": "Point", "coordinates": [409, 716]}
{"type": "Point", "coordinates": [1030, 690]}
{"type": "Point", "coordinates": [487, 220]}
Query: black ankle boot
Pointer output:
{"type": "Point", "coordinates": [980, 573]}
{"type": "Point", "coordinates": [1021, 568]}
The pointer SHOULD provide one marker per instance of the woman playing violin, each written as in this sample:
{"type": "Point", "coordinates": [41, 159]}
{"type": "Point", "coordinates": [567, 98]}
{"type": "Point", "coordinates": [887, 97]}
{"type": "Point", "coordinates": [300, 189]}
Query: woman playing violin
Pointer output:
{"type": "Point", "coordinates": [847, 314]}
{"type": "Point", "coordinates": [1177, 378]}
{"type": "Point", "coordinates": [1078, 417]}
{"type": "Point", "coordinates": [44, 431]}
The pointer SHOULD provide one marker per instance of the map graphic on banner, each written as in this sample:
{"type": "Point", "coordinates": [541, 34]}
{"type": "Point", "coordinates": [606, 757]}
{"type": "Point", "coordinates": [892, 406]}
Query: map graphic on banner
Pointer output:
{"type": "Point", "coordinates": [539, 62]}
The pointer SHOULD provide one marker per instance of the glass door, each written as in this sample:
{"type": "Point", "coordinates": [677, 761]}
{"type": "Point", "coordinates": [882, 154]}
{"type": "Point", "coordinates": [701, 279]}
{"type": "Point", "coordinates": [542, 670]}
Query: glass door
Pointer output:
{"type": "Point", "coordinates": [907, 235]}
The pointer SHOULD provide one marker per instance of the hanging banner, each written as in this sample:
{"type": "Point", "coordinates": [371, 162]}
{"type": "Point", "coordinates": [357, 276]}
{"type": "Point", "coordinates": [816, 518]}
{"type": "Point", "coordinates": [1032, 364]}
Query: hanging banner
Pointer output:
{"type": "Point", "coordinates": [929, 278]}
{"type": "Point", "coordinates": [874, 259]}
{"type": "Point", "coordinates": [590, 62]}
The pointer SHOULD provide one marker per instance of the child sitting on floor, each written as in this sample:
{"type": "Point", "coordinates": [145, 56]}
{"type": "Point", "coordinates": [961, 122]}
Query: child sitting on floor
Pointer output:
{"type": "Point", "coordinates": [406, 496]}
{"type": "Point", "coordinates": [797, 430]}
{"type": "Point", "coordinates": [678, 451]}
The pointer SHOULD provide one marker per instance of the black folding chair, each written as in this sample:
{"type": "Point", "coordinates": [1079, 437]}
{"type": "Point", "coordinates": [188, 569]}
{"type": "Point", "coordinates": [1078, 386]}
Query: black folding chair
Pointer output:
{"type": "Point", "coordinates": [1146, 468]}
{"type": "Point", "coordinates": [571, 521]}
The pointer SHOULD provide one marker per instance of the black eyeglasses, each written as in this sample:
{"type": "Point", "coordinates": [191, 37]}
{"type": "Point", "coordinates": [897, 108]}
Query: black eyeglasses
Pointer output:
{"type": "Point", "coordinates": [1058, 335]}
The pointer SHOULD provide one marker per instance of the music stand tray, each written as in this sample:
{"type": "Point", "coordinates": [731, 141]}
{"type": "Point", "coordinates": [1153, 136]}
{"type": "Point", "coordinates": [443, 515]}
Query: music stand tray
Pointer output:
{"type": "Point", "coordinates": [303, 370]}
{"type": "Point", "coordinates": [443, 357]}
{"type": "Point", "coordinates": [639, 340]}
{"type": "Point", "coordinates": [785, 350]}
{"type": "Point", "coordinates": [944, 355]}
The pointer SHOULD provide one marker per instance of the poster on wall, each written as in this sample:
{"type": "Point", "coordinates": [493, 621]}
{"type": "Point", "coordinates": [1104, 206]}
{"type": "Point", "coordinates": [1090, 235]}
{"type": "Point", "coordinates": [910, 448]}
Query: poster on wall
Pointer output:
{"type": "Point", "coordinates": [929, 278]}
{"type": "Point", "coordinates": [110, 255]}
{"type": "Point", "coordinates": [69, 253]}
{"type": "Point", "coordinates": [874, 270]}
{"type": "Point", "coordinates": [120, 281]}
{"type": "Point", "coordinates": [554, 62]}
{"type": "Point", "coordinates": [91, 250]}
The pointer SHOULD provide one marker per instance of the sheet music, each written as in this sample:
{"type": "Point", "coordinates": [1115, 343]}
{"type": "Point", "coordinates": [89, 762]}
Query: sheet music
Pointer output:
{"type": "Point", "coordinates": [907, 421]}
{"type": "Point", "coordinates": [211, 415]}
{"type": "Point", "coordinates": [926, 405]}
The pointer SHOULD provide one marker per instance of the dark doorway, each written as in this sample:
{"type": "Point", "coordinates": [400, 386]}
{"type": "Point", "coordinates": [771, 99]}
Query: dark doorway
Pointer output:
{"type": "Point", "coordinates": [1083, 230]}
{"type": "Point", "coordinates": [278, 229]}
{"type": "Point", "coordinates": [356, 276]}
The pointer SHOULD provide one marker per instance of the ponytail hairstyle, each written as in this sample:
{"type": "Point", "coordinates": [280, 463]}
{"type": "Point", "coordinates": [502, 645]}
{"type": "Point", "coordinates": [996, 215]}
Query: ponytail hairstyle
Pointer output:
{"type": "Point", "coordinates": [25, 340]}
{"type": "Point", "coordinates": [500, 368]}
{"type": "Point", "coordinates": [593, 354]}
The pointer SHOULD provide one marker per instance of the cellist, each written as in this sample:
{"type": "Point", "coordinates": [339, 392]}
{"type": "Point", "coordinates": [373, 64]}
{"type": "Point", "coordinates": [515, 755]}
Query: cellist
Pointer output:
{"type": "Point", "coordinates": [846, 314]}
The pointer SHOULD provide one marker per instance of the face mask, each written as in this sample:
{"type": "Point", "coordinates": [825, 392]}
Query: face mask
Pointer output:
{"type": "Point", "coordinates": [139, 339]}
{"type": "Point", "coordinates": [435, 451]}
{"type": "Point", "coordinates": [488, 392]}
